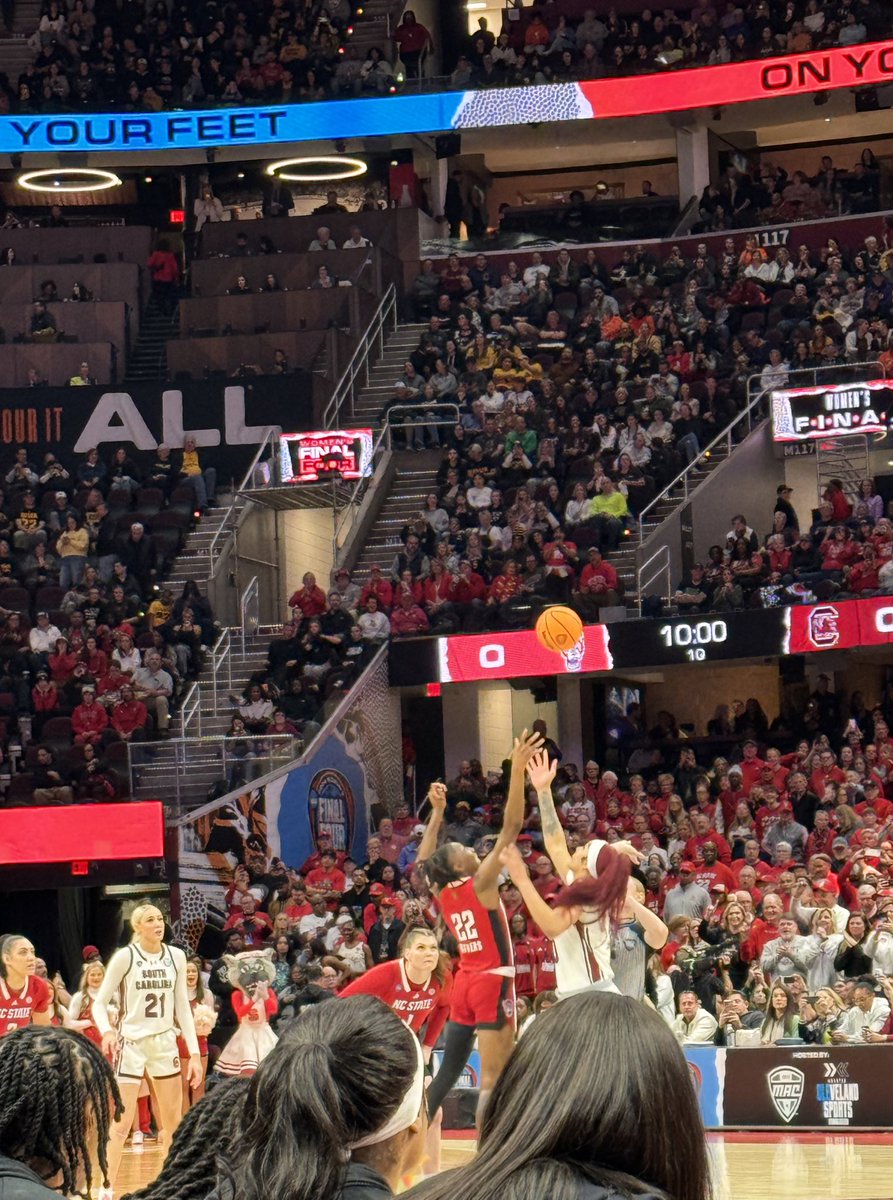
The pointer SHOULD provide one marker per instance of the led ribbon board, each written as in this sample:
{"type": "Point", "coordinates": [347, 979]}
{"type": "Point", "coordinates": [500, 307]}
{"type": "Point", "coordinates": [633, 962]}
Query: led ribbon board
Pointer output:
{"type": "Point", "coordinates": [805, 414]}
{"type": "Point", "coordinates": [670, 91]}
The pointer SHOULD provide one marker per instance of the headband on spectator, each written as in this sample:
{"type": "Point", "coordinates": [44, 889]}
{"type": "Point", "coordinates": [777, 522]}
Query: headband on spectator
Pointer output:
{"type": "Point", "coordinates": [407, 1111]}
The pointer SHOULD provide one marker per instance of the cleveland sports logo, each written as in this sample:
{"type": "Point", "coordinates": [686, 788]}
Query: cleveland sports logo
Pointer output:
{"type": "Point", "coordinates": [573, 658]}
{"type": "Point", "coordinates": [786, 1086]}
{"type": "Point", "coordinates": [824, 630]}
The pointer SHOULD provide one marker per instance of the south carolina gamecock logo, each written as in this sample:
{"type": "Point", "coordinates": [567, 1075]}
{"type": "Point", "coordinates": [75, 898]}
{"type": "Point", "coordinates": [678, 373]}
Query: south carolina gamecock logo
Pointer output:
{"type": "Point", "coordinates": [786, 1086]}
{"type": "Point", "coordinates": [823, 627]}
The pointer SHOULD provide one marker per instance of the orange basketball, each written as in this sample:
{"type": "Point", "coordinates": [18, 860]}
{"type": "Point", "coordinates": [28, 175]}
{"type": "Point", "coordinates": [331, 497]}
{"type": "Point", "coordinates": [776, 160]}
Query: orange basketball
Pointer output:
{"type": "Point", "coordinates": [559, 628]}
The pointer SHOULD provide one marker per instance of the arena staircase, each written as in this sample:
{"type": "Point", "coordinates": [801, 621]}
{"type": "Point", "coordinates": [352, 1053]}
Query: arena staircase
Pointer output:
{"type": "Point", "coordinates": [15, 52]}
{"type": "Point", "coordinates": [148, 358]}
{"type": "Point", "coordinates": [373, 23]}
{"type": "Point", "coordinates": [182, 772]}
{"type": "Point", "coordinates": [388, 368]}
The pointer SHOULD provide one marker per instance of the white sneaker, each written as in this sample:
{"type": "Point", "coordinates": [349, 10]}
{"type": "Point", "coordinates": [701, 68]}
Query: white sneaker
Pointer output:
{"type": "Point", "coordinates": [106, 1194]}
{"type": "Point", "coordinates": [136, 1141]}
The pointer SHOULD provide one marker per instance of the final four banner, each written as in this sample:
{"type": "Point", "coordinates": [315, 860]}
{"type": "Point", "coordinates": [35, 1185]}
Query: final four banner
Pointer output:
{"type": "Point", "coordinates": [671, 91]}
{"type": "Point", "coordinates": [227, 419]}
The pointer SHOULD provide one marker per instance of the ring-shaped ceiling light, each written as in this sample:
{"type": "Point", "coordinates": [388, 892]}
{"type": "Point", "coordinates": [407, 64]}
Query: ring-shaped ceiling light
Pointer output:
{"type": "Point", "coordinates": [336, 167]}
{"type": "Point", "coordinates": [68, 179]}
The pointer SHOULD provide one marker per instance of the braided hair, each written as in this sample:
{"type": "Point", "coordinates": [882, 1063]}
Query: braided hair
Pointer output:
{"type": "Point", "coordinates": [56, 1088]}
{"type": "Point", "coordinates": [189, 1169]}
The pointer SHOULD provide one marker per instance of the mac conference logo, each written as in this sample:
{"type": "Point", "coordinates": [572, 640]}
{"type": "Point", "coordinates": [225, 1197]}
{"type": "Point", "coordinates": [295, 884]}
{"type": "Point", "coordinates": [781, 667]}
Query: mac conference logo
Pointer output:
{"type": "Point", "coordinates": [786, 1087]}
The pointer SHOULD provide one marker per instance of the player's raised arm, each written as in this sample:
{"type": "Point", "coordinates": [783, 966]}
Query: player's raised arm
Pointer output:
{"type": "Point", "coordinates": [524, 748]}
{"type": "Point", "coordinates": [542, 775]}
{"type": "Point", "coordinates": [437, 798]}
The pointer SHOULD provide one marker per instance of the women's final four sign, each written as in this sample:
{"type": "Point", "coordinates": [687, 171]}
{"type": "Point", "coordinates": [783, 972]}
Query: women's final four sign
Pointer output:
{"type": "Point", "coordinates": [671, 91]}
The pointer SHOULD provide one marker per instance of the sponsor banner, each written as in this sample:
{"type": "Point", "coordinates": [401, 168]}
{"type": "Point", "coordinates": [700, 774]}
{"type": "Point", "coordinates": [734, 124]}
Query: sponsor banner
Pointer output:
{"type": "Point", "coordinates": [805, 414]}
{"type": "Point", "coordinates": [227, 419]}
{"type": "Point", "coordinates": [506, 655]}
{"type": "Point", "coordinates": [707, 1067]}
{"type": "Point", "coordinates": [624, 645]}
{"type": "Point", "coordinates": [840, 625]}
{"type": "Point", "coordinates": [816, 1087]}
{"type": "Point", "coordinates": [700, 87]}
{"type": "Point", "coordinates": [307, 457]}
{"type": "Point", "coordinates": [82, 832]}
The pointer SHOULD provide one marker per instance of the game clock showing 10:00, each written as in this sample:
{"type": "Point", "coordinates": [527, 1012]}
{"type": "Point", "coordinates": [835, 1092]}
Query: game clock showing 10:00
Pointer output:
{"type": "Point", "coordinates": [694, 639]}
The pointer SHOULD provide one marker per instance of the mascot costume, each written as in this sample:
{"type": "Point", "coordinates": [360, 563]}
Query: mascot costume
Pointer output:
{"type": "Point", "coordinates": [251, 974]}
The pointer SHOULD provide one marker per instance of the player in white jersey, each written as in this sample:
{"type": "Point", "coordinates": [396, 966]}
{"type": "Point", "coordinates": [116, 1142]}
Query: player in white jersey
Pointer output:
{"type": "Point", "coordinates": [149, 979]}
{"type": "Point", "coordinates": [596, 876]}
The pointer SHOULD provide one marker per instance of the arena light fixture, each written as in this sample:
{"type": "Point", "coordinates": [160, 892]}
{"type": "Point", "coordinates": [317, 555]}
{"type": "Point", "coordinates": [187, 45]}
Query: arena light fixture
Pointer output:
{"type": "Point", "coordinates": [68, 179]}
{"type": "Point", "coordinates": [331, 168]}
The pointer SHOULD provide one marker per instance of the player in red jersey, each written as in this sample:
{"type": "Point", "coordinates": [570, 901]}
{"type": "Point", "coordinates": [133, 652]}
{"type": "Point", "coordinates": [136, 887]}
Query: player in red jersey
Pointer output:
{"type": "Point", "coordinates": [25, 998]}
{"type": "Point", "coordinates": [467, 889]}
{"type": "Point", "coordinates": [416, 986]}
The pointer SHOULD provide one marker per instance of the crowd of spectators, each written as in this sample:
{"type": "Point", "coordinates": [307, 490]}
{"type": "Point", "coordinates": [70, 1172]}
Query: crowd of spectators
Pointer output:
{"type": "Point", "coordinates": [771, 869]}
{"type": "Point", "coordinates": [845, 553]}
{"type": "Point", "coordinates": [583, 388]}
{"type": "Point", "coordinates": [551, 43]}
{"type": "Point", "coordinates": [154, 56]}
{"type": "Point", "coordinates": [94, 650]}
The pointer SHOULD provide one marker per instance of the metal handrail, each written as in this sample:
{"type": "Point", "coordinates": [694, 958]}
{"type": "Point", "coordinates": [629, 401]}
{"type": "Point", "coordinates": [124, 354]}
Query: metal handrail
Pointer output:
{"type": "Point", "coordinates": [221, 656]}
{"type": "Point", "coordinates": [344, 392]}
{"type": "Point", "coordinates": [250, 596]}
{"type": "Point", "coordinates": [725, 435]}
{"type": "Point", "coordinates": [661, 560]}
{"type": "Point", "coordinates": [215, 549]}
{"type": "Point", "coordinates": [328, 727]}
{"type": "Point", "coordinates": [191, 710]}
{"type": "Point", "coordinates": [343, 524]}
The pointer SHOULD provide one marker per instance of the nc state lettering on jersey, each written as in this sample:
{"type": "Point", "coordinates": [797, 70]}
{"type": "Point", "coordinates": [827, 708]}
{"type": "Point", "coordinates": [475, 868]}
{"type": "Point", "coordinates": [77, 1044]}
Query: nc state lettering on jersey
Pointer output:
{"type": "Point", "coordinates": [117, 419]}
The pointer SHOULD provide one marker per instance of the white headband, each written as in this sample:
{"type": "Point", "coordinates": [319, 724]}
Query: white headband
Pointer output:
{"type": "Point", "coordinates": [595, 849]}
{"type": "Point", "coordinates": [408, 1110]}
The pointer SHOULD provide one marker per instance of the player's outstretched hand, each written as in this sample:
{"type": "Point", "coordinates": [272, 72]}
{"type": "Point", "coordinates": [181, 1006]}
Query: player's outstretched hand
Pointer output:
{"type": "Point", "coordinates": [437, 796]}
{"type": "Point", "coordinates": [628, 850]}
{"type": "Point", "coordinates": [525, 747]}
{"type": "Point", "coordinates": [540, 771]}
{"type": "Point", "coordinates": [511, 859]}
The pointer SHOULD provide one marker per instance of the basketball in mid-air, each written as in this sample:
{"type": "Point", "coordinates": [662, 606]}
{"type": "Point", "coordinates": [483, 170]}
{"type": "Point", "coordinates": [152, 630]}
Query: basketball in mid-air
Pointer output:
{"type": "Point", "coordinates": [559, 628]}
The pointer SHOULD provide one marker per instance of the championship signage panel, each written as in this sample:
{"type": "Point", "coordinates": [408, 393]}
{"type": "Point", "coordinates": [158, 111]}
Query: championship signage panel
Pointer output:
{"type": "Point", "coordinates": [508, 655]}
{"type": "Point", "coordinates": [811, 413]}
{"type": "Point", "coordinates": [701, 87]}
{"type": "Point", "coordinates": [310, 457]}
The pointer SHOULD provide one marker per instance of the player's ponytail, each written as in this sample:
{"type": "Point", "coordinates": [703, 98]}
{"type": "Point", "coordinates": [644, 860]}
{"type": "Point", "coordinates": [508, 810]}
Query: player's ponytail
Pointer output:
{"type": "Point", "coordinates": [334, 1080]}
{"type": "Point", "coordinates": [603, 888]}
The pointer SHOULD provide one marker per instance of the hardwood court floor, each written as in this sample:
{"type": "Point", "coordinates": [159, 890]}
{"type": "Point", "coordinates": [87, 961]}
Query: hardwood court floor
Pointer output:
{"type": "Point", "coordinates": [746, 1166]}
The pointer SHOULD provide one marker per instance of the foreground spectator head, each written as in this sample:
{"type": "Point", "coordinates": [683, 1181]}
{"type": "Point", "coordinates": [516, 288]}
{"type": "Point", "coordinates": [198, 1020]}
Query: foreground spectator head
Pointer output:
{"type": "Point", "coordinates": [346, 1077]}
{"type": "Point", "coordinates": [58, 1096]}
{"type": "Point", "coordinates": [596, 1132]}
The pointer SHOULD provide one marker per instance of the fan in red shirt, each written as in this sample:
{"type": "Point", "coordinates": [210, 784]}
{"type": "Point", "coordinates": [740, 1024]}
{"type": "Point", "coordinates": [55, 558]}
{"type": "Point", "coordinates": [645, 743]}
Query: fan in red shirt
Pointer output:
{"type": "Point", "coordinates": [711, 872]}
{"type": "Point", "coordinates": [750, 765]}
{"type": "Point", "coordinates": [763, 929]}
{"type": "Point", "coordinates": [326, 879]}
{"type": "Point", "coordinates": [416, 986]}
{"type": "Point", "coordinates": [483, 999]}
{"type": "Point", "coordinates": [525, 956]}
{"type": "Point", "coordinates": [25, 998]}
{"type": "Point", "coordinates": [323, 845]}
{"type": "Point", "coordinates": [826, 772]}
{"type": "Point", "coordinates": [310, 598]}
{"type": "Point", "coordinates": [705, 833]}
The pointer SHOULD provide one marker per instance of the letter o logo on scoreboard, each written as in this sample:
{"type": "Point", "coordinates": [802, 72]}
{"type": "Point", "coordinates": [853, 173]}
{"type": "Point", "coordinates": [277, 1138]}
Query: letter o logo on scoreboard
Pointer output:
{"type": "Point", "coordinates": [492, 656]}
{"type": "Point", "coordinates": [883, 620]}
